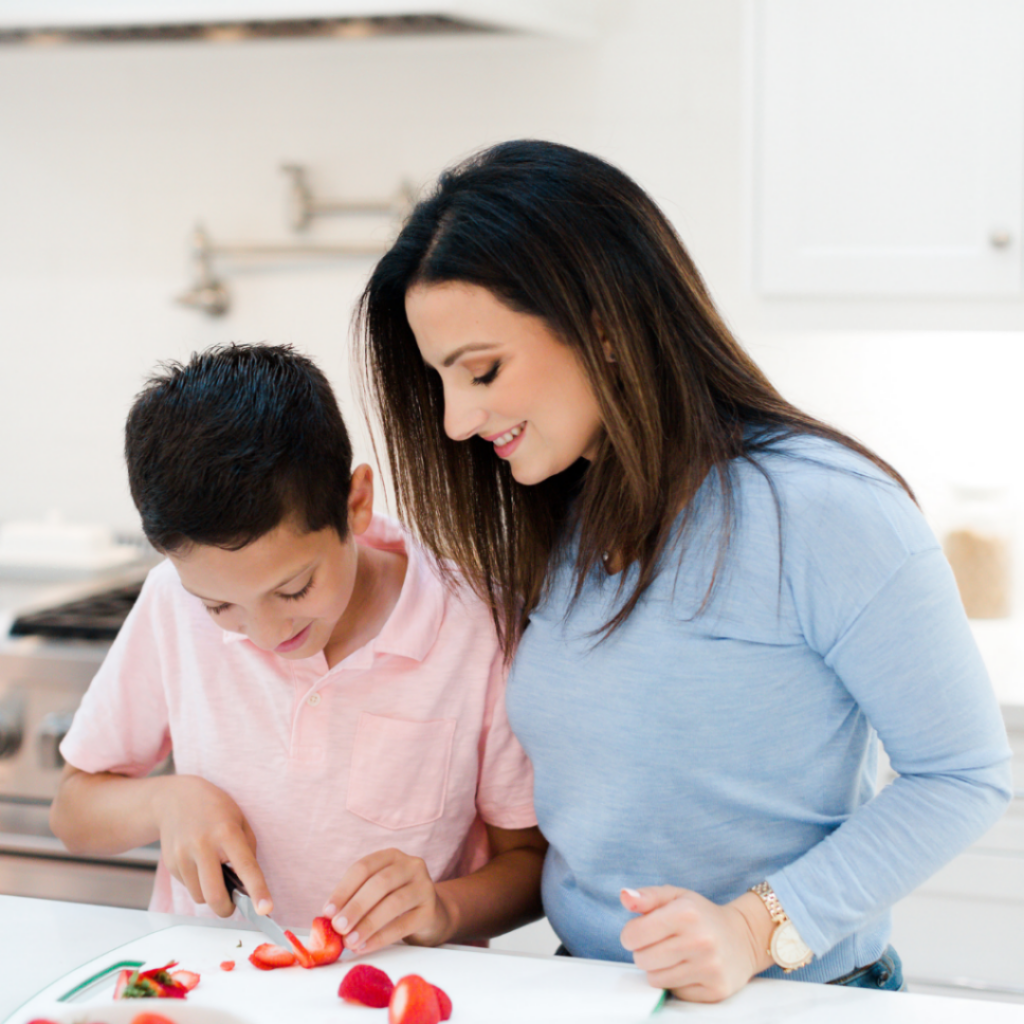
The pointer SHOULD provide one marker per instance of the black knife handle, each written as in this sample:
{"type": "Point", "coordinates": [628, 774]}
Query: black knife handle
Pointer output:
{"type": "Point", "coordinates": [232, 881]}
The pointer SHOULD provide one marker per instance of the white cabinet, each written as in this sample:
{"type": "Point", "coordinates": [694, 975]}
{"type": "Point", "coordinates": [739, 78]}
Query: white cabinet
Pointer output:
{"type": "Point", "coordinates": [888, 152]}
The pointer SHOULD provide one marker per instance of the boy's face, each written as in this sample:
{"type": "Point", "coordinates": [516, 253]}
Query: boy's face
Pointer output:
{"type": "Point", "coordinates": [287, 591]}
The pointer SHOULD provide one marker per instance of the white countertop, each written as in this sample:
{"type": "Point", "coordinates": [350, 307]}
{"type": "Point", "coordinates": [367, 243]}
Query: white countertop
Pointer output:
{"type": "Point", "coordinates": [41, 940]}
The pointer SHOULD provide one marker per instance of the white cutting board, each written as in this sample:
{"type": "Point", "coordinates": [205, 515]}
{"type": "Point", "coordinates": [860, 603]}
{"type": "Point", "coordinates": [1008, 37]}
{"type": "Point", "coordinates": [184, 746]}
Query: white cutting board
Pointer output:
{"type": "Point", "coordinates": [485, 987]}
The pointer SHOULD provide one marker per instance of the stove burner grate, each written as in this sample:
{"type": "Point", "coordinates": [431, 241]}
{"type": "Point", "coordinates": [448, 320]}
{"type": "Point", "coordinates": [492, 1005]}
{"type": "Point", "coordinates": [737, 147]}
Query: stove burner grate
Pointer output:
{"type": "Point", "coordinates": [91, 618]}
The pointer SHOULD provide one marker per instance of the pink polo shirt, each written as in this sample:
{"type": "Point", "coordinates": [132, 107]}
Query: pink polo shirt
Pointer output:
{"type": "Point", "coordinates": [402, 744]}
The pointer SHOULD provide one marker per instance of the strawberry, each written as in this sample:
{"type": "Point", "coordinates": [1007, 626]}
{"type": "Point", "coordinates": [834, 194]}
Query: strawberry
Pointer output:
{"type": "Point", "coordinates": [367, 985]}
{"type": "Point", "coordinates": [227, 965]}
{"type": "Point", "coordinates": [187, 978]}
{"type": "Point", "coordinates": [268, 956]}
{"type": "Point", "coordinates": [444, 1004]}
{"type": "Point", "coordinates": [156, 983]}
{"type": "Point", "coordinates": [413, 1001]}
{"type": "Point", "coordinates": [324, 944]}
{"type": "Point", "coordinates": [123, 977]}
{"type": "Point", "coordinates": [151, 1018]}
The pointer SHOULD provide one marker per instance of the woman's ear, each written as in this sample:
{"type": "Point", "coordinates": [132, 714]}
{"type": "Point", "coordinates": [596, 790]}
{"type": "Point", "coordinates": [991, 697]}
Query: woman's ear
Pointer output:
{"type": "Point", "coordinates": [360, 499]}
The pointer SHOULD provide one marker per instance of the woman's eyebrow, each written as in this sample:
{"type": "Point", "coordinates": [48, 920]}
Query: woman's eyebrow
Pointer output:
{"type": "Point", "coordinates": [473, 346]}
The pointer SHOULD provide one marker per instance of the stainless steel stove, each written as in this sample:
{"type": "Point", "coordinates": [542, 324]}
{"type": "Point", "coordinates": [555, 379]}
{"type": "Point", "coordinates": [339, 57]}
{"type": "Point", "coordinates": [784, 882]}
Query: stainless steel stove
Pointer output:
{"type": "Point", "coordinates": [53, 638]}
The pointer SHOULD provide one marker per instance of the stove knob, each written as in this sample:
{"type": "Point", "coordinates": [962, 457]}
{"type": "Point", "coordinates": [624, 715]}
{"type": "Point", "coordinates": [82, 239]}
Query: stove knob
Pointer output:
{"type": "Point", "coordinates": [52, 730]}
{"type": "Point", "coordinates": [12, 724]}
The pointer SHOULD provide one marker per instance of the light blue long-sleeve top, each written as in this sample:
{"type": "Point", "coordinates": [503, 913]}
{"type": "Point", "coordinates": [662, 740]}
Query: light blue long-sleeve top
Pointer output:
{"type": "Point", "coordinates": [715, 749]}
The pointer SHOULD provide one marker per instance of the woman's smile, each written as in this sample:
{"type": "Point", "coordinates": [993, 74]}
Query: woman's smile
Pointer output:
{"type": "Point", "coordinates": [505, 444]}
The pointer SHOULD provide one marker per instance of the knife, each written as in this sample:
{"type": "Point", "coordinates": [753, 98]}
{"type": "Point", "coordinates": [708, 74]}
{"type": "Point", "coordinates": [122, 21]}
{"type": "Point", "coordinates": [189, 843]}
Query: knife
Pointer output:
{"type": "Point", "coordinates": [242, 900]}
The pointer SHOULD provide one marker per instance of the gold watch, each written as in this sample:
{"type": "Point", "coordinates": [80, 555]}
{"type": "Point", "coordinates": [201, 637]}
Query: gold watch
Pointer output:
{"type": "Point", "coordinates": [786, 948]}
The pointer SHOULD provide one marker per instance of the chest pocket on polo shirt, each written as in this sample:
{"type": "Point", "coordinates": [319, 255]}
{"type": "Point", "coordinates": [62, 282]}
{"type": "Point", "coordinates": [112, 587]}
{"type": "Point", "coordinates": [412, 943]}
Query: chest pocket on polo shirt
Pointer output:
{"type": "Point", "coordinates": [399, 771]}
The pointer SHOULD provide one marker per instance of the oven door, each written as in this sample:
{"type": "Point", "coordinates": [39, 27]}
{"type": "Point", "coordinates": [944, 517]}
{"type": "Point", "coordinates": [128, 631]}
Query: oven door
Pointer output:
{"type": "Point", "coordinates": [35, 863]}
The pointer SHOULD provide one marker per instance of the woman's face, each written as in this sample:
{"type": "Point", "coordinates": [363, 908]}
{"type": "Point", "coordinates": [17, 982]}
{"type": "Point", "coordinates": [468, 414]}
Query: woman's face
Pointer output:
{"type": "Point", "coordinates": [507, 378]}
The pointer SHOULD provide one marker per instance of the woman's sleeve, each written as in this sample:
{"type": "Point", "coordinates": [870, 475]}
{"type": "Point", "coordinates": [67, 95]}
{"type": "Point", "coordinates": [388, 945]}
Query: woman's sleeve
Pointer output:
{"type": "Point", "coordinates": [908, 658]}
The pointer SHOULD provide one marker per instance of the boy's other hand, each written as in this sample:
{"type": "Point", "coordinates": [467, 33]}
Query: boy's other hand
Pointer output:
{"type": "Point", "coordinates": [201, 828]}
{"type": "Point", "coordinates": [386, 897]}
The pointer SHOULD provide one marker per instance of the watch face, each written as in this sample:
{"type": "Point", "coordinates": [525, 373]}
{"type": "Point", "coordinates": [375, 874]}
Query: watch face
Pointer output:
{"type": "Point", "coordinates": [788, 950]}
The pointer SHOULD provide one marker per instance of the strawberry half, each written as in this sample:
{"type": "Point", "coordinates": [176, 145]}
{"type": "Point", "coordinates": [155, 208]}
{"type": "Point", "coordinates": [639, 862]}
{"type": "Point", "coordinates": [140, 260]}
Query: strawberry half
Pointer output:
{"type": "Point", "coordinates": [367, 985]}
{"type": "Point", "coordinates": [187, 978]}
{"type": "Point", "coordinates": [227, 965]}
{"type": "Point", "coordinates": [267, 957]}
{"type": "Point", "coordinates": [151, 1018]}
{"type": "Point", "coordinates": [413, 1001]}
{"type": "Point", "coordinates": [324, 944]}
{"type": "Point", "coordinates": [444, 1004]}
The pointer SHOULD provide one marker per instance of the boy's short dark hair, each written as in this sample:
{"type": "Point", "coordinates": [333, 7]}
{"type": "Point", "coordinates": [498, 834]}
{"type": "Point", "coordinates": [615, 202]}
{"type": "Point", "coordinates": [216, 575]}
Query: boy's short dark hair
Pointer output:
{"type": "Point", "coordinates": [222, 450]}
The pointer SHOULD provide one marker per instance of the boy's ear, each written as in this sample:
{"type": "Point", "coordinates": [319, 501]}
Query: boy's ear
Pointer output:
{"type": "Point", "coordinates": [360, 499]}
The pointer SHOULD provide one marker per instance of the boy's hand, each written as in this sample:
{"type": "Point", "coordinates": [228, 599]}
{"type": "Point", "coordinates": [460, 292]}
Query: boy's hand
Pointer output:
{"type": "Point", "coordinates": [385, 897]}
{"type": "Point", "coordinates": [201, 827]}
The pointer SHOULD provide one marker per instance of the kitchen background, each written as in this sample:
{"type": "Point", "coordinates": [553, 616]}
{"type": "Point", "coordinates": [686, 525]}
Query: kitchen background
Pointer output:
{"type": "Point", "coordinates": [738, 116]}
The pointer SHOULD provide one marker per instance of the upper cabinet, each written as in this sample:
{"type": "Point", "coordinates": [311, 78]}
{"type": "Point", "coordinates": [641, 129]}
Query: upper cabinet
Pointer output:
{"type": "Point", "coordinates": [889, 147]}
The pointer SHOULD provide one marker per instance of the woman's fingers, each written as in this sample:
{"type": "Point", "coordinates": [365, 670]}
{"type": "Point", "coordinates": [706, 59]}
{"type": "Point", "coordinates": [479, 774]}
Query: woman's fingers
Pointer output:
{"type": "Point", "coordinates": [684, 942]}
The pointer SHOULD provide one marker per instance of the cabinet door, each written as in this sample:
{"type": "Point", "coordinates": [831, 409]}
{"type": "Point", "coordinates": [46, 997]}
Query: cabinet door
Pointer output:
{"type": "Point", "coordinates": [889, 146]}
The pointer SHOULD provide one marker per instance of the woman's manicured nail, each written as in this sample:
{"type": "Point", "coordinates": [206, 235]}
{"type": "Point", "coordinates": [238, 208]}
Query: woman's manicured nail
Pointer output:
{"type": "Point", "coordinates": [264, 907]}
{"type": "Point", "coordinates": [329, 911]}
{"type": "Point", "coordinates": [632, 892]}
{"type": "Point", "coordinates": [340, 924]}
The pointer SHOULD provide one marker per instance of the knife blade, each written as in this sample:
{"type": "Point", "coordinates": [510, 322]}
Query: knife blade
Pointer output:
{"type": "Point", "coordinates": [242, 900]}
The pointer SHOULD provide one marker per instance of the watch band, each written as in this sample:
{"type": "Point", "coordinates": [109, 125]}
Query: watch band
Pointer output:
{"type": "Point", "coordinates": [771, 901]}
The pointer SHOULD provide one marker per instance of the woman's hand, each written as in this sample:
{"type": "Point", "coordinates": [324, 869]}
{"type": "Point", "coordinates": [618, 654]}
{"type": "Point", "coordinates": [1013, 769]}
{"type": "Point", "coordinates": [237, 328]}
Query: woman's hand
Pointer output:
{"type": "Point", "coordinates": [700, 951]}
{"type": "Point", "coordinates": [386, 897]}
{"type": "Point", "coordinates": [201, 828]}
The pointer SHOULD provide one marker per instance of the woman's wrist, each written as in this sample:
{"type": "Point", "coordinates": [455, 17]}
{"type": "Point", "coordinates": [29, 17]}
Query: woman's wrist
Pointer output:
{"type": "Point", "coordinates": [759, 926]}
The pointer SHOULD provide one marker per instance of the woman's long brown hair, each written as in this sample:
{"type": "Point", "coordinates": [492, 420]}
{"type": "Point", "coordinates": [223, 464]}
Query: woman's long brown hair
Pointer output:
{"type": "Point", "coordinates": [559, 234]}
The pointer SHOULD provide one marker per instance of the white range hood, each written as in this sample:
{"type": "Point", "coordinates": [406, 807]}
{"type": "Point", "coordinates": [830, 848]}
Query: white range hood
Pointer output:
{"type": "Point", "coordinates": [571, 18]}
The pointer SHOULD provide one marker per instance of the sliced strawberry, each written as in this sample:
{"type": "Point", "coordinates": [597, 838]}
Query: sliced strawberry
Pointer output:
{"type": "Point", "coordinates": [324, 944]}
{"type": "Point", "coordinates": [155, 983]}
{"type": "Point", "coordinates": [227, 965]}
{"type": "Point", "coordinates": [268, 956]}
{"type": "Point", "coordinates": [413, 1001]}
{"type": "Point", "coordinates": [444, 1004]}
{"type": "Point", "coordinates": [151, 1018]}
{"type": "Point", "coordinates": [367, 985]}
{"type": "Point", "coordinates": [187, 978]}
{"type": "Point", "coordinates": [123, 978]}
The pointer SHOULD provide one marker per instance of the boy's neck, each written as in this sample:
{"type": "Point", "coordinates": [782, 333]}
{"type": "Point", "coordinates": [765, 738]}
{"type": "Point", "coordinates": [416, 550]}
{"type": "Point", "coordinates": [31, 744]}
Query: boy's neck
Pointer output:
{"type": "Point", "coordinates": [379, 578]}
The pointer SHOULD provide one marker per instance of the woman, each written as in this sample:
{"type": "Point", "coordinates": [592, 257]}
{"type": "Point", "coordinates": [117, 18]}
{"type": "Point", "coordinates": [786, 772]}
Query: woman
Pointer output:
{"type": "Point", "coordinates": [716, 603]}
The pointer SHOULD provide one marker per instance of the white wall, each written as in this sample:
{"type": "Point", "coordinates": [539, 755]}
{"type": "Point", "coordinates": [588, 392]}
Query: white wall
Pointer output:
{"type": "Point", "coordinates": [110, 154]}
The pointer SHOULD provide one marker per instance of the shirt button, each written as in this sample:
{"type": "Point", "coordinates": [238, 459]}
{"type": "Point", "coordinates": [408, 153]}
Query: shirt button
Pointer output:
{"type": "Point", "coordinates": [313, 699]}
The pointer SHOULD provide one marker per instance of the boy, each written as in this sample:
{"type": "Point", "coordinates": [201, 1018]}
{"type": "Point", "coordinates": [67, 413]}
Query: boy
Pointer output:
{"type": "Point", "coordinates": [336, 713]}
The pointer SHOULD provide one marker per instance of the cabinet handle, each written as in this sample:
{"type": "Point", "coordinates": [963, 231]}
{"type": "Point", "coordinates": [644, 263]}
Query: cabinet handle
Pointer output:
{"type": "Point", "coordinates": [1000, 239]}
